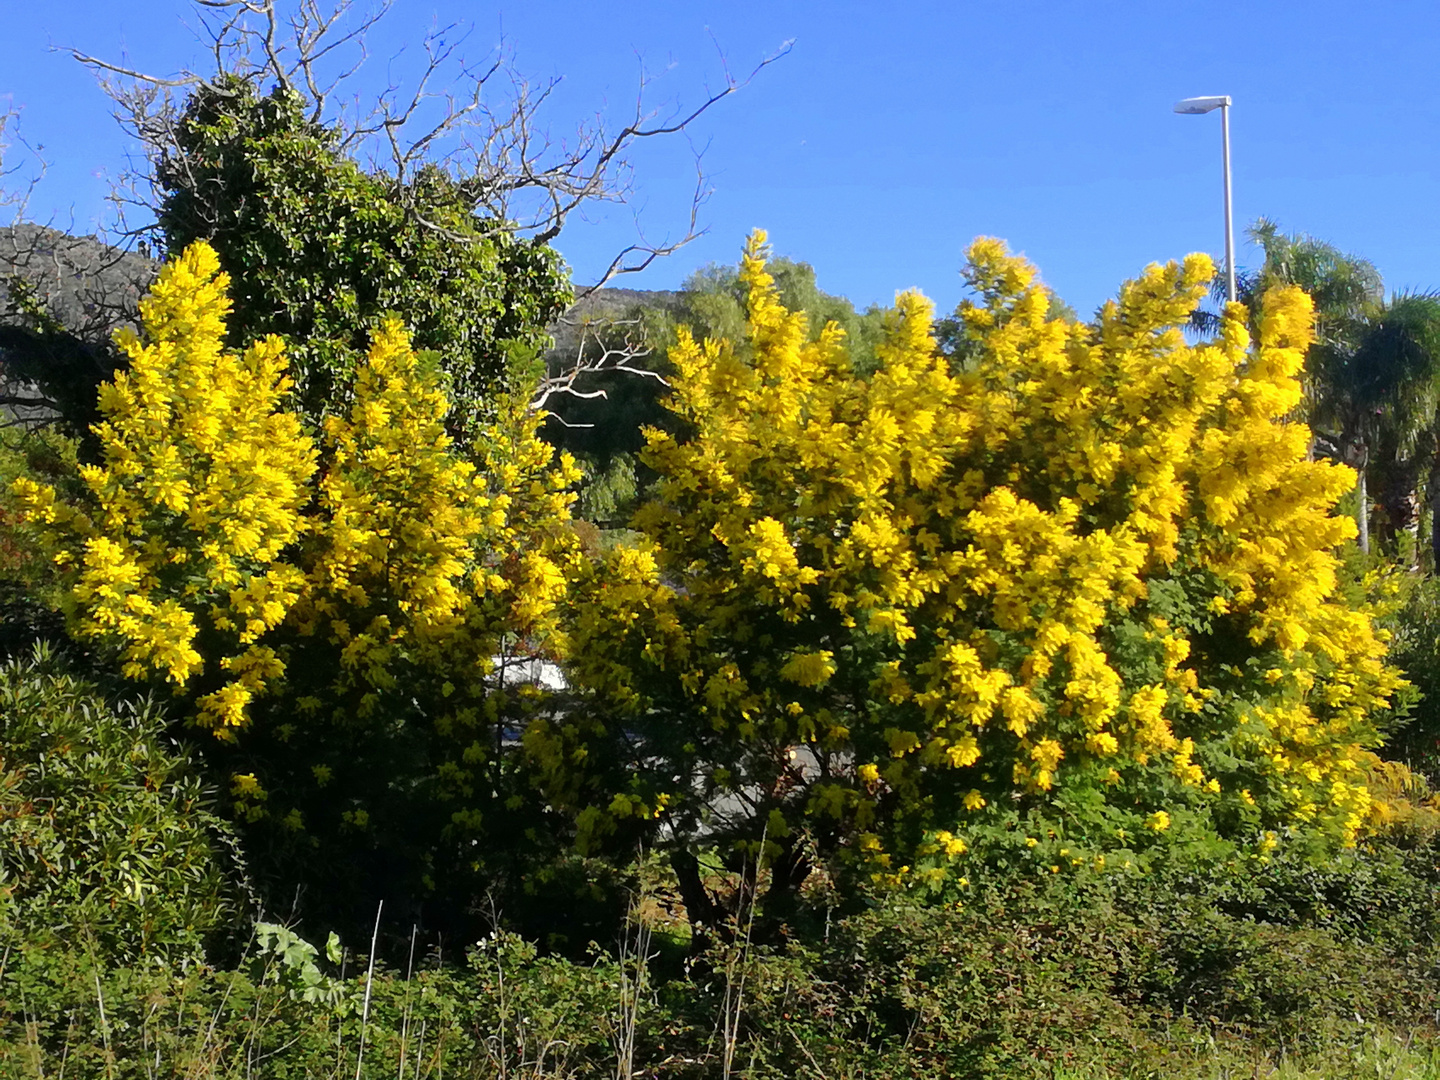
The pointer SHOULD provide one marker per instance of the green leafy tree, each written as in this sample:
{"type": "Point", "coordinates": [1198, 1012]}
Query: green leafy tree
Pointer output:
{"type": "Point", "coordinates": [322, 250]}
{"type": "Point", "coordinates": [1382, 393]}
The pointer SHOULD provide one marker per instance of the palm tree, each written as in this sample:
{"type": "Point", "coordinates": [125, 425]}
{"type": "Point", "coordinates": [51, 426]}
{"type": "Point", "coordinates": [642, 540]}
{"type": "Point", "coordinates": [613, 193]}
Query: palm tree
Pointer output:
{"type": "Point", "coordinates": [1374, 383]}
{"type": "Point", "coordinates": [1339, 284]}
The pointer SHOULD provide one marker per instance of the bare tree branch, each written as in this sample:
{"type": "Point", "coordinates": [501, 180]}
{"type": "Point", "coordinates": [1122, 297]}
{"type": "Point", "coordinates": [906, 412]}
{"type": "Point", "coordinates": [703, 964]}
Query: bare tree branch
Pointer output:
{"type": "Point", "coordinates": [598, 352]}
{"type": "Point", "coordinates": [501, 154]}
{"type": "Point", "coordinates": [485, 131]}
{"type": "Point", "coordinates": [17, 199]}
{"type": "Point", "coordinates": [635, 257]}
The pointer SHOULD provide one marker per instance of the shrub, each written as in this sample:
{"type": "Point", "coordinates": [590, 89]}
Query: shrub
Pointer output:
{"type": "Point", "coordinates": [344, 616]}
{"type": "Point", "coordinates": [107, 834]}
{"type": "Point", "coordinates": [1104, 974]}
{"type": "Point", "coordinates": [1091, 575]}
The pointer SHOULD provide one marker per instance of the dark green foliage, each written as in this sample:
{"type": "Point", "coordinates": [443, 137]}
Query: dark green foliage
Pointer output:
{"type": "Point", "coordinates": [29, 590]}
{"type": "Point", "coordinates": [607, 495]}
{"type": "Point", "coordinates": [1119, 970]}
{"type": "Point", "coordinates": [1416, 651]}
{"type": "Point", "coordinates": [386, 827]}
{"type": "Point", "coordinates": [106, 833]}
{"type": "Point", "coordinates": [1110, 975]}
{"type": "Point", "coordinates": [319, 249]}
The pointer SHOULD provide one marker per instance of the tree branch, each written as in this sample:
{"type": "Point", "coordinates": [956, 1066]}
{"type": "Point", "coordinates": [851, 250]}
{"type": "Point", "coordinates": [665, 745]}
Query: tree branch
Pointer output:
{"type": "Point", "coordinates": [605, 356]}
{"type": "Point", "coordinates": [499, 156]}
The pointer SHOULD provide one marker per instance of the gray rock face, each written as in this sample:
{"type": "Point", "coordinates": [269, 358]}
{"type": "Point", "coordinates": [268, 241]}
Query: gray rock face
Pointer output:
{"type": "Point", "coordinates": [92, 288]}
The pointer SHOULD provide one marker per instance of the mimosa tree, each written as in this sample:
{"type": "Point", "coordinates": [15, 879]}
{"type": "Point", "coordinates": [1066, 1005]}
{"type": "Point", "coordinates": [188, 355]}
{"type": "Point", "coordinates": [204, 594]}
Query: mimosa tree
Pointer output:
{"type": "Point", "coordinates": [863, 609]}
{"type": "Point", "coordinates": [334, 618]}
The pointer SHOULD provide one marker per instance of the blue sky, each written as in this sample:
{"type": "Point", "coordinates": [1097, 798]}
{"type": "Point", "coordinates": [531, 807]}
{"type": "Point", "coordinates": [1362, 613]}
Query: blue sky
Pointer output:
{"type": "Point", "coordinates": [892, 134]}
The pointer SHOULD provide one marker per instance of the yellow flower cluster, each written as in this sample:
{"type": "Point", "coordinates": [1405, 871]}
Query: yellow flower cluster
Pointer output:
{"type": "Point", "coordinates": [213, 552]}
{"type": "Point", "coordinates": [422, 552]}
{"type": "Point", "coordinates": [920, 574]}
{"type": "Point", "coordinates": [198, 498]}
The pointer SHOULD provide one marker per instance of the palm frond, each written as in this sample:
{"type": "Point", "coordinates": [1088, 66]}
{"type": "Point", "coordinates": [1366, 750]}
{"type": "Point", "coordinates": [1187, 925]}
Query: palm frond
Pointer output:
{"type": "Point", "coordinates": [1397, 365]}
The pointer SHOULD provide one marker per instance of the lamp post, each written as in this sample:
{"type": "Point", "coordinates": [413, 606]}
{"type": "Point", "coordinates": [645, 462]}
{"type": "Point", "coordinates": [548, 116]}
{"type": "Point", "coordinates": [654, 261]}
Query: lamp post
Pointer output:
{"type": "Point", "coordinates": [1196, 106]}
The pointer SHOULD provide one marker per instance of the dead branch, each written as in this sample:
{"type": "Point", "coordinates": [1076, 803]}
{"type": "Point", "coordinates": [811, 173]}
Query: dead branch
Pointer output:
{"type": "Point", "coordinates": [597, 352]}
{"type": "Point", "coordinates": [500, 154]}
{"type": "Point", "coordinates": [17, 198]}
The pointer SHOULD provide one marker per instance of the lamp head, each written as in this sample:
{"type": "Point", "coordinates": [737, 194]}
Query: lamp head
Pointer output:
{"type": "Point", "coordinates": [1194, 106]}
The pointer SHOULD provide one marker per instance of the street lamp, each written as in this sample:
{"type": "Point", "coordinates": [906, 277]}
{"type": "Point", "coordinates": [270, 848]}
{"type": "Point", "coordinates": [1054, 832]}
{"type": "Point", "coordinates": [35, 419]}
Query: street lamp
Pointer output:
{"type": "Point", "coordinates": [1196, 106]}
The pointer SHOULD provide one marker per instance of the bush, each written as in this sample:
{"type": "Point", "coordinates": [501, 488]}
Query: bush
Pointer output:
{"type": "Point", "coordinates": [346, 615]}
{"type": "Point", "coordinates": [1139, 973]}
{"type": "Point", "coordinates": [1094, 566]}
{"type": "Point", "coordinates": [1416, 651]}
{"type": "Point", "coordinates": [1114, 974]}
{"type": "Point", "coordinates": [28, 576]}
{"type": "Point", "coordinates": [106, 833]}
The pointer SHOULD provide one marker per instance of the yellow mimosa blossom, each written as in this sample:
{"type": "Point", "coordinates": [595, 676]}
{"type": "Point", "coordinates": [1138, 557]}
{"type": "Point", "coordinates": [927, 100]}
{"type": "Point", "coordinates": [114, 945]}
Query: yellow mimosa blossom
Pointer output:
{"type": "Point", "coordinates": [196, 448]}
{"type": "Point", "coordinates": [1005, 567]}
{"type": "Point", "coordinates": [213, 553]}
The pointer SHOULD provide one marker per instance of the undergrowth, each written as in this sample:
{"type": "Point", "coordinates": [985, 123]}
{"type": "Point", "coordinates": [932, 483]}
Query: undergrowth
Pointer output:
{"type": "Point", "coordinates": [1274, 969]}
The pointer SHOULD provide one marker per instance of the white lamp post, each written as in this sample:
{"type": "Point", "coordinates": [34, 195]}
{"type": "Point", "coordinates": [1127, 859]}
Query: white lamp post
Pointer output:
{"type": "Point", "coordinates": [1195, 106]}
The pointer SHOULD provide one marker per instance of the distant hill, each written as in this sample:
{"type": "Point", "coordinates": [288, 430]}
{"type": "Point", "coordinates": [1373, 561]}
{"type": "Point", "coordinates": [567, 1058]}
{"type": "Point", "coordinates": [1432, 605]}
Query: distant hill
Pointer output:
{"type": "Point", "coordinates": [91, 287]}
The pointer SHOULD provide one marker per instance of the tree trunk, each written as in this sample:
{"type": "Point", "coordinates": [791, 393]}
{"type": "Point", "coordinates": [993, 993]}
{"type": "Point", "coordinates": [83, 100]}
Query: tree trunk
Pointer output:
{"type": "Point", "coordinates": [787, 873]}
{"type": "Point", "coordinates": [706, 917]}
{"type": "Point", "coordinates": [1362, 512]}
{"type": "Point", "coordinates": [1400, 504]}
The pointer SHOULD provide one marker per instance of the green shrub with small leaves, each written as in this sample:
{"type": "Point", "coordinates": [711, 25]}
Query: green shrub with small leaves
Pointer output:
{"type": "Point", "coordinates": [1097, 975]}
{"type": "Point", "coordinates": [107, 838]}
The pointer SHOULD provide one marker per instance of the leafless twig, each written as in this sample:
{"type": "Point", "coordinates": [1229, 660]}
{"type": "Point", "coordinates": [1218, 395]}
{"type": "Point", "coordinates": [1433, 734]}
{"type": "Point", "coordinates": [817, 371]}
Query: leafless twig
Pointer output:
{"type": "Point", "coordinates": [482, 125]}
{"type": "Point", "coordinates": [485, 131]}
{"type": "Point", "coordinates": [605, 345]}
{"type": "Point", "coordinates": [15, 189]}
